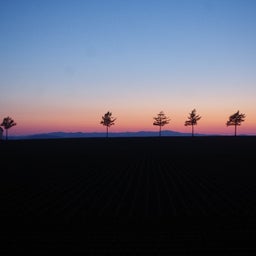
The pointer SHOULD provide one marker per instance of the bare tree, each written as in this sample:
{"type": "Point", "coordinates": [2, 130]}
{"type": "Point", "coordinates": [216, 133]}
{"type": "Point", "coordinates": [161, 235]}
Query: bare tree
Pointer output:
{"type": "Point", "coordinates": [236, 119]}
{"type": "Point", "coordinates": [7, 123]}
{"type": "Point", "coordinates": [108, 120]}
{"type": "Point", "coordinates": [192, 120]}
{"type": "Point", "coordinates": [161, 120]}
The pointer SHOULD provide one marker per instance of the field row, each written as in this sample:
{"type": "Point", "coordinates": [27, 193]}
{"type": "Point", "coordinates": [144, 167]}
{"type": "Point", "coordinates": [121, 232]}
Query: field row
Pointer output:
{"type": "Point", "coordinates": [136, 196]}
{"type": "Point", "coordinates": [142, 187]}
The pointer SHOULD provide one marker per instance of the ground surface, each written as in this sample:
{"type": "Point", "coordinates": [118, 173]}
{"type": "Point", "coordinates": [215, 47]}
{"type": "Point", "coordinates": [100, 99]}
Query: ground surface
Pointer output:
{"type": "Point", "coordinates": [129, 196]}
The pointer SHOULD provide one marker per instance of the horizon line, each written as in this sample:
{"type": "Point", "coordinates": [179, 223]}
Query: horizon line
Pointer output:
{"type": "Point", "coordinates": [129, 132]}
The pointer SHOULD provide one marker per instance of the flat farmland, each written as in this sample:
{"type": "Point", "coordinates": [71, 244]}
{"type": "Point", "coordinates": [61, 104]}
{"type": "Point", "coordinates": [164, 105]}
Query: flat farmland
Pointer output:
{"type": "Point", "coordinates": [129, 196]}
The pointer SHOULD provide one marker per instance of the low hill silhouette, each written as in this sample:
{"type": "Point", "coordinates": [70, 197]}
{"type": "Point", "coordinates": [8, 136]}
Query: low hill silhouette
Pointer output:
{"type": "Point", "coordinates": [56, 135]}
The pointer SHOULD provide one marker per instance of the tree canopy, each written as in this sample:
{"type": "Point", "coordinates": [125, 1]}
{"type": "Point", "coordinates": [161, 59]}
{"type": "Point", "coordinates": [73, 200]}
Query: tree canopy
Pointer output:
{"type": "Point", "coordinates": [160, 120]}
{"type": "Point", "coordinates": [108, 120]}
{"type": "Point", "coordinates": [7, 123]}
{"type": "Point", "coordinates": [236, 119]}
{"type": "Point", "coordinates": [193, 118]}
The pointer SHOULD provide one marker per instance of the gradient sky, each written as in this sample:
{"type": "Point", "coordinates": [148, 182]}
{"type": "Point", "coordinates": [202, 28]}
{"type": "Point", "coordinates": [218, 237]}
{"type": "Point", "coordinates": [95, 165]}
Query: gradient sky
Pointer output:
{"type": "Point", "coordinates": [64, 63]}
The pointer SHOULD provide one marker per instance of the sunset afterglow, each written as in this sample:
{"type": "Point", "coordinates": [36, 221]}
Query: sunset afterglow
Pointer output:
{"type": "Point", "coordinates": [65, 63]}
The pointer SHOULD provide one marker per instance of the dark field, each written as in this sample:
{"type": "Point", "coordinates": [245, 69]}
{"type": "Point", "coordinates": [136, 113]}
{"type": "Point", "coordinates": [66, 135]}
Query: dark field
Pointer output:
{"type": "Point", "coordinates": [129, 196]}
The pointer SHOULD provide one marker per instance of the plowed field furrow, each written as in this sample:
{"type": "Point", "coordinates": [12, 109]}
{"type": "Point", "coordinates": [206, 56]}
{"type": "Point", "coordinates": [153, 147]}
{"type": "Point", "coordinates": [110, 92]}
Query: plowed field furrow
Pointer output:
{"type": "Point", "coordinates": [207, 196]}
{"type": "Point", "coordinates": [31, 198]}
{"type": "Point", "coordinates": [51, 202]}
{"type": "Point", "coordinates": [198, 194]}
{"type": "Point", "coordinates": [138, 190]}
{"type": "Point", "coordinates": [170, 172]}
{"type": "Point", "coordinates": [124, 205]}
{"type": "Point", "coordinates": [153, 199]}
{"type": "Point", "coordinates": [62, 200]}
{"type": "Point", "coordinates": [140, 201]}
{"type": "Point", "coordinates": [104, 191]}
{"type": "Point", "coordinates": [149, 168]}
{"type": "Point", "coordinates": [129, 196]}
{"type": "Point", "coordinates": [85, 196]}
{"type": "Point", "coordinates": [27, 193]}
{"type": "Point", "coordinates": [85, 188]}
{"type": "Point", "coordinates": [51, 195]}
{"type": "Point", "coordinates": [13, 202]}
{"type": "Point", "coordinates": [167, 195]}
{"type": "Point", "coordinates": [186, 191]}
{"type": "Point", "coordinates": [249, 201]}
{"type": "Point", "coordinates": [219, 202]}
{"type": "Point", "coordinates": [115, 193]}
{"type": "Point", "coordinates": [156, 184]}
{"type": "Point", "coordinates": [11, 192]}
{"type": "Point", "coordinates": [216, 195]}
{"type": "Point", "coordinates": [243, 196]}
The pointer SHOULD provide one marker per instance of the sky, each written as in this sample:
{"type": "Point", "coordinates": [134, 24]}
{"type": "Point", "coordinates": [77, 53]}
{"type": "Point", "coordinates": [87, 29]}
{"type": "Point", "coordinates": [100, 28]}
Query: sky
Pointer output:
{"type": "Point", "coordinates": [65, 63]}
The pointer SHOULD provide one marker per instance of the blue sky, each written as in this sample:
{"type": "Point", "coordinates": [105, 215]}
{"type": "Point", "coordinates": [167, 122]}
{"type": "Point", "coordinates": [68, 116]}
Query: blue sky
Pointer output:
{"type": "Point", "coordinates": [63, 64]}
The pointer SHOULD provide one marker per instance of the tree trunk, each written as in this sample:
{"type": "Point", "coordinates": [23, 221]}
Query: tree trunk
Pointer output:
{"type": "Point", "coordinates": [235, 130]}
{"type": "Point", "coordinates": [107, 132]}
{"type": "Point", "coordinates": [6, 134]}
{"type": "Point", "coordinates": [192, 130]}
{"type": "Point", "coordinates": [160, 130]}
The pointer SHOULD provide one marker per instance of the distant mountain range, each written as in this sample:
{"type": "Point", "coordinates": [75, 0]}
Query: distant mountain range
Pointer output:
{"type": "Point", "coordinates": [56, 135]}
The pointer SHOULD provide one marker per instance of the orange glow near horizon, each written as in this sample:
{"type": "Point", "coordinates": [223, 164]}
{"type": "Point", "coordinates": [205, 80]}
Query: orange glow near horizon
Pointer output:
{"type": "Point", "coordinates": [68, 80]}
{"type": "Point", "coordinates": [137, 117]}
{"type": "Point", "coordinates": [126, 123]}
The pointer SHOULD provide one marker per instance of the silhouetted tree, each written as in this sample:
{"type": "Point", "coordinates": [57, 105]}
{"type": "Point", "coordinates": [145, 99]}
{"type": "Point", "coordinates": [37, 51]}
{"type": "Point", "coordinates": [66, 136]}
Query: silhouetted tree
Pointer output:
{"type": "Point", "coordinates": [7, 123]}
{"type": "Point", "coordinates": [161, 120]}
{"type": "Point", "coordinates": [192, 120]}
{"type": "Point", "coordinates": [236, 119]}
{"type": "Point", "coordinates": [1, 133]}
{"type": "Point", "coordinates": [108, 120]}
